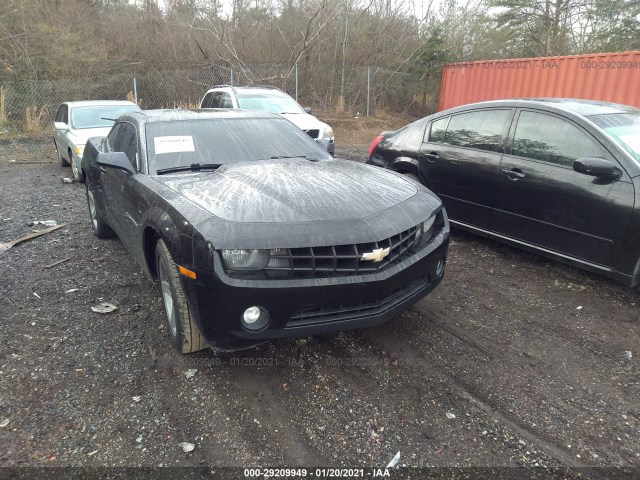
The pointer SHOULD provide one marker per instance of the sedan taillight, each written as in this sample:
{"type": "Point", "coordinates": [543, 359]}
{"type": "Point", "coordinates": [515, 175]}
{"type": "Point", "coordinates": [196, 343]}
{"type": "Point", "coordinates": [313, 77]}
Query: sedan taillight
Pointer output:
{"type": "Point", "coordinates": [375, 144]}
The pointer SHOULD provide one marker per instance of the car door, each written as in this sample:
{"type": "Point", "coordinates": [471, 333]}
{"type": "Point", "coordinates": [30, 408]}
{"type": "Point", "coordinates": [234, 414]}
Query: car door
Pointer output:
{"type": "Point", "coordinates": [62, 115]}
{"type": "Point", "coordinates": [124, 215]}
{"type": "Point", "coordinates": [543, 201]}
{"type": "Point", "coordinates": [459, 161]}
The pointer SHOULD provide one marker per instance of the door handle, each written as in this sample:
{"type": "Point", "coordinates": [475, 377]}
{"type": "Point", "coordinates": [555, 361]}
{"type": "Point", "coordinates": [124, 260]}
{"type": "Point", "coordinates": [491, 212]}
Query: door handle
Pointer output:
{"type": "Point", "coordinates": [513, 173]}
{"type": "Point", "coordinates": [102, 169]}
{"type": "Point", "coordinates": [432, 156]}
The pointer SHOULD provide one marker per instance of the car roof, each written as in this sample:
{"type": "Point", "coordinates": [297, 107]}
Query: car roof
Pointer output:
{"type": "Point", "coordinates": [252, 89]}
{"type": "Point", "coordinates": [151, 116]}
{"type": "Point", "coordinates": [576, 106]}
{"type": "Point", "coordinates": [95, 103]}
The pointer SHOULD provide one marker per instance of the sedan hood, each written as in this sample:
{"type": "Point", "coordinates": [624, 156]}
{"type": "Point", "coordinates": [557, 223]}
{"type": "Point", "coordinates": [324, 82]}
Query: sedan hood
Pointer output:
{"type": "Point", "coordinates": [81, 136]}
{"type": "Point", "coordinates": [293, 191]}
{"type": "Point", "coordinates": [304, 121]}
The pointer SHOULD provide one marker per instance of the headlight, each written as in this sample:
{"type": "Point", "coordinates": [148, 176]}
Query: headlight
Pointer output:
{"type": "Point", "coordinates": [424, 232]}
{"type": "Point", "coordinates": [245, 259]}
{"type": "Point", "coordinates": [79, 149]}
{"type": "Point", "coordinates": [327, 132]}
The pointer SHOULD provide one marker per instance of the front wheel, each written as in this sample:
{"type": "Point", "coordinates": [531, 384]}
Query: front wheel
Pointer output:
{"type": "Point", "coordinates": [99, 226]}
{"type": "Point", "coordinates": [77, 173]}
{"type": "Point", "coordinates": [183, 331]}
{"type": "Point", "coordinates": [61, 159]}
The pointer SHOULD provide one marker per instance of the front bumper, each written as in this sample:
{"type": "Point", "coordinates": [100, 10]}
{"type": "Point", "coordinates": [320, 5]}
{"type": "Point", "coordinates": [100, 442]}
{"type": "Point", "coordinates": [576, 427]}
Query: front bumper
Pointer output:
{"type": "Point", "coordinates": [328, 144]}
{"type": "Point", "coordinates": [312, 306]}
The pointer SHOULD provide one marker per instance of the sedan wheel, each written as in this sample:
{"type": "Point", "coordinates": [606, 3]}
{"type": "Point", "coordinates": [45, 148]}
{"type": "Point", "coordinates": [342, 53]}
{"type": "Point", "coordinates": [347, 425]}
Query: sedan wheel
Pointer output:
{"type": "Point", "coordinates": [98, 225]}
{"type": "Point", "coordinates": [77, 173]}
{"type": "Point", "coordinates": [63, 162]}
{"type": "Point", "coordinates": [183, 331]}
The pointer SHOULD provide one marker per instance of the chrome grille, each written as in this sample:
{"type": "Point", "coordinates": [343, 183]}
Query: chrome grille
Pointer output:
{"type": "Point", "coordinates": [339, 260]}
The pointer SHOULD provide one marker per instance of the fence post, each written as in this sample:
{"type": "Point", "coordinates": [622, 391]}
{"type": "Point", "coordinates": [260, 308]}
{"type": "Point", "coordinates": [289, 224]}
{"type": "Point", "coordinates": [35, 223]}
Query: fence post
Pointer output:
{"type": "Point", "coordinates": [231, 72]}
{"type": "Point", "coordinates": [296, 82]}
{"type": "Point", "coordinates": [368, 88]}
{"type": "Point", "coordinates": [135, 90]}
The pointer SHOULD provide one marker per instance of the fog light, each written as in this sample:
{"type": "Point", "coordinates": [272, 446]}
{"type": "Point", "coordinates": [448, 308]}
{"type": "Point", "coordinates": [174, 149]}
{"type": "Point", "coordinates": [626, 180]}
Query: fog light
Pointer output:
{"type": "Point", "coordinates": [255, 318]}
{"type": "Point", "coordinates": [440, 268]}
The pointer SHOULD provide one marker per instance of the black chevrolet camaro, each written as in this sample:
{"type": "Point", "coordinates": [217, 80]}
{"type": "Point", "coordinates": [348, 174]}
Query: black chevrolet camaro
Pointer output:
{"type": "Point", "coordinates": [560, 177]}
{"type": "Point", "coordinates": [254, 232]}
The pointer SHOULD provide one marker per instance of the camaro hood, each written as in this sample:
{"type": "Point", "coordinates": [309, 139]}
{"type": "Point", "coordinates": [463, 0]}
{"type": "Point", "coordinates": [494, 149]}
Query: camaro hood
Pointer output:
{"type": "Point", "coordinates": [298, 191]}
{"type": "Point", "coordinates": [294, 203]}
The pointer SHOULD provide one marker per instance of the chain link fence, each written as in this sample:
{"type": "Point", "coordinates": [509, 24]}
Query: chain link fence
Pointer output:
{"type": "Point", "coordinates": [28, 107]}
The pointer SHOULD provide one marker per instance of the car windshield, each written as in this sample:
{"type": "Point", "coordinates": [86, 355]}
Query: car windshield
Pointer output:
{"type": "Point", "coordinates": [97, 116]}
{"type": "Point", "coordinates": [218, 141]}
{"type": "Point", "coordinates": [624, 128]}
{"type": "Point", "coordinates": [268, 102]}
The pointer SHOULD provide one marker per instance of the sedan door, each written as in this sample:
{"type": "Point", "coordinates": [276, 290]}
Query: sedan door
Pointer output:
{"type": "Point", "coordinates": [543, 201]}
{"type": "Point", "coordinates": [459, 161]}
{"type": "Point", "coordinates": [62, 115]}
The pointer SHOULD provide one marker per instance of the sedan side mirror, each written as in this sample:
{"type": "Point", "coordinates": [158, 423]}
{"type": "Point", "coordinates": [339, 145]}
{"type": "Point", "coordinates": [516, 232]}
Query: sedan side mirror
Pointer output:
{"type": "Point", "coordinates": [307, 110]}
{"type": "Point", "coordinates": [60, 126]}
{"type": "Point", "coordinates": [117, 160]}
{"type": "Point", "coordinates": [596, 167]}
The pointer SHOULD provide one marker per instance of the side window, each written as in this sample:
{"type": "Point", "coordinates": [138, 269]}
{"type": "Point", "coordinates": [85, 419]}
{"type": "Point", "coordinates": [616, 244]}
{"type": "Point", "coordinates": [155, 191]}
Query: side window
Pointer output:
{"type": "Point", "coordinates": [225, 101]}
{"type": "Point", "coordinates": [551, 139]}
{"type": "Point", "coordinates": [64, 114]}
{"type": "Point", "coordinates": [206, 101]}
{"type": "Point", "coordinates": [438, 129]}
{"type": "Point", "coordinates": [123, 138]}
{"type": "Point", "coordinates": [481, 129]}
{"type": "Point", "coordinates": [60, 113]}
{"type": "Point", "coordinates": [214, 101]}
{"type": "Point", "coordinates": [113, 135]}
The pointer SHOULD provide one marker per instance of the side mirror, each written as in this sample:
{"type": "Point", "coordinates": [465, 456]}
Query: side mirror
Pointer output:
{"type": "Point", "coordinates": [307, 110]}
{"type": "Point", "coordinates": [60, 126]}
{"type": "Point", "coordinates": [596, 167]}
{"type": "Point", "coordinates": [117, 160]}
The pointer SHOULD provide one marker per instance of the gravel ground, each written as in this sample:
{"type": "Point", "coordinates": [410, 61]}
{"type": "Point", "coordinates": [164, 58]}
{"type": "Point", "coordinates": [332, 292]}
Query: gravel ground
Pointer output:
{"type": "Point", "coordinates": [512, 361]}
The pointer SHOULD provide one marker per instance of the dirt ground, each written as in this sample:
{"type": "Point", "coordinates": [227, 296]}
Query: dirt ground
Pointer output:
{"type": "Point", "coordinates": [513, 361]}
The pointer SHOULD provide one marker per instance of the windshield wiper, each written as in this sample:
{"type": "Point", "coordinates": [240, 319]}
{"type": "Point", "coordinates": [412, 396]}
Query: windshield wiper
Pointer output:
{"type": "Point", "coordinates": [310, 158]}
{"type": "Point", "coordinates": [193, 166]}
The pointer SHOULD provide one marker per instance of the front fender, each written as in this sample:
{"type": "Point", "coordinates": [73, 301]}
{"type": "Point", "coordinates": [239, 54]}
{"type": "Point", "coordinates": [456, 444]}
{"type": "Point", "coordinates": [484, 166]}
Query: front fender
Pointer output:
{"type": "Point", "coordinates": [177, 233]}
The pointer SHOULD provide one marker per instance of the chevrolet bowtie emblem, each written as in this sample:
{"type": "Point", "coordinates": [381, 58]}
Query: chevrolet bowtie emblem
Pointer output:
{"type": "Point", "coordinates": [377, 255]}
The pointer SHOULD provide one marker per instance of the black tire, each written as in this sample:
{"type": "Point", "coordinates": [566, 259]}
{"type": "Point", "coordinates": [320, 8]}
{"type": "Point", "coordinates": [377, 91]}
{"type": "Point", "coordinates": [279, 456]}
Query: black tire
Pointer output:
{"type": "Point", "coordinates": [63, 162]}
{"type": "Point", "coordinates": [183, 331]}
{"type": "Point", "coordinates": [77, 171]}
{"type": "Point", "coordinates": [98, 225]}
{"type": "Point", "coordinates": [413, 177]}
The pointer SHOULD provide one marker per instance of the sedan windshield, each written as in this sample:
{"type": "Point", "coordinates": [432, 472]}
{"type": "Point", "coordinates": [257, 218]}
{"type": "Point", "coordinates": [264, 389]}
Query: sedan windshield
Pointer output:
{"type": "Point", "coordinates": [624, 128]}
{"type": "Point", "coordinates": [98, 116]}
{"type": "Point", "coordinates": [218, 141]}
{"type": "Point", "coordinates": [268, 102]}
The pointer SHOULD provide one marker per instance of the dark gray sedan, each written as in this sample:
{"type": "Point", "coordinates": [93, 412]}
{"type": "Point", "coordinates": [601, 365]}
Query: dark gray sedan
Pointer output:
{"type": "Point", "coordinates": [560, 177]}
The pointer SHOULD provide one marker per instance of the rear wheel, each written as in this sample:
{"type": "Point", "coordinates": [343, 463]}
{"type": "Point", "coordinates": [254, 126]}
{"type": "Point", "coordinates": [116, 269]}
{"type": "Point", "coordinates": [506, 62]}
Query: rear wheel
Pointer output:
{"type": "Point", "coordinates": [183, 331]}
{"type": "Point", "coordinates": [99, 226]}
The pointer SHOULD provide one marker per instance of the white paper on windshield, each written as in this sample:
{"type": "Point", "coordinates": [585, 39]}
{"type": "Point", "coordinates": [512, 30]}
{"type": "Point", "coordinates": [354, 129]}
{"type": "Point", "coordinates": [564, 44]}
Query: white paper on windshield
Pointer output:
{"type": "Point", "coordinates": [173, 144]}
{"type": "Point", "coordinates": [632, 141]}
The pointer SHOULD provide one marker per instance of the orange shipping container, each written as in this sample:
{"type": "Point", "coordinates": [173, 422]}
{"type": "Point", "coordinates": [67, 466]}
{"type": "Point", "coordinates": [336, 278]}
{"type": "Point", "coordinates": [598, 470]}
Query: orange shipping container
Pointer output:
{"type": "Point", "coordinates": [612, 77]}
